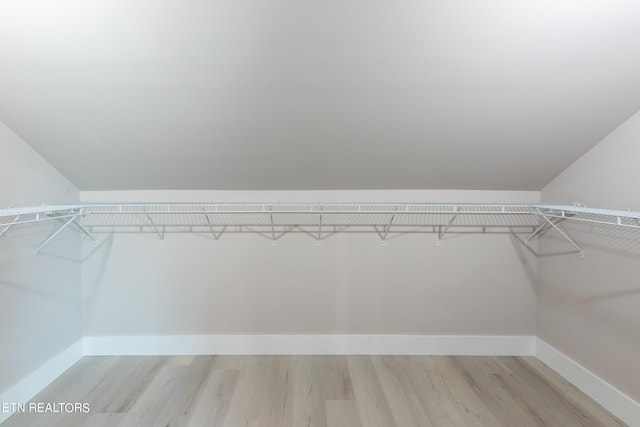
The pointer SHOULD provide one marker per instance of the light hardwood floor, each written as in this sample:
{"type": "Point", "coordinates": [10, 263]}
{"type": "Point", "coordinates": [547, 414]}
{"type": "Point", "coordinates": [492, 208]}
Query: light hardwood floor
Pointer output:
{"type": "Point", "coordinates": [350, 391]}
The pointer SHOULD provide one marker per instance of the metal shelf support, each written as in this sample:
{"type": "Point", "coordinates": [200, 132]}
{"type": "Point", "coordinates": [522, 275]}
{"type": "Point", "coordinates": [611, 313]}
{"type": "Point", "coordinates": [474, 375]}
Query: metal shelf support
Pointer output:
{"type": "Point", "coordinates": [562, 232]}
{"type": "Point", "coordinates": [453, 218]}
{"type": "Point", "coordinates": [84, 230]}
{"type": "Point", "coordinates": [543, 226]}
{"type": "Point", "coordinates": [8, 226]}
{"type": "Point", "coordinates": [388, 227]}
{"type": "Point", "coordinates": [216, 237]}
{"type": "Point", "coordinates": [273, 229]}
{"type": "Point", "coordinates": [155, 227]}
{"type": "Point", "coordinates": [319, 242]}
{"type": "Point", "coordinates": [55, 233]}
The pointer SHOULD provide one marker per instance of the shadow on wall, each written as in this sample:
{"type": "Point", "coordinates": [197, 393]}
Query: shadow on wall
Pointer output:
{"type": "Point", "coordinates": [37, 285]}
{"type": "Point", "coordinates": [25, 238]}
{"type": "Point", "coordinates": [528, 262]}
{"type": "Point", "coordinates": [622, 242]}
{"type": "Point", "coordinates": [18, 263]}
{"type": "Point", "coordinates": [100, 254]}
{"type": "Point", "coordinates": [532, 247]}
{"type": "Point", "coordinates": [49, 293]}
{"type": "Point", "coordinates": [605, 284]}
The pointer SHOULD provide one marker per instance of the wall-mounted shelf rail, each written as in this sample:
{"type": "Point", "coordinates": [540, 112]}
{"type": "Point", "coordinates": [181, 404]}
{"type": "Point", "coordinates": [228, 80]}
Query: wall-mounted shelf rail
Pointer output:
{"type": "Point", "coordinates": [318, 219]}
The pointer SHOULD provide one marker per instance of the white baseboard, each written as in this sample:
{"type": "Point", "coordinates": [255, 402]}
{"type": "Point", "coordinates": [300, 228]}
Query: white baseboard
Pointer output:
{"type": "Point", "coordinates": [310, 344]}
{"type": "Point", "coordinates": [615, 401]}
{"type": "Point", "coordinates": [26, 389]}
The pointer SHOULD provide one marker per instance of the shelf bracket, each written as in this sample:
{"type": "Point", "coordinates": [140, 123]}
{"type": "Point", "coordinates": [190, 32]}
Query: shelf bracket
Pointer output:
{"type": "Point", "coordinates": [273, 229]}
{"type": "Point", "coordinates": [55, 233]}
{"type": "Point", "coordinates": [84, 230]}
{"type": "Point", "coordinates": [155, 227]}
{"type": "Point", "coordinates": [216, 237]}
{"type": "Point", "coordinates": [319, 242]}
{"type": "Point", "coordinates": [11, 224]}
{"type": "Point", "coordinates": [78, 224]}
{"type": "Point", "coordinates": [562, 233]}
{"type": "Point", "coordinates": [388, 227]}
{"type": "Point", "coordinates": [537, 231]}
{"type": "Point", "coordinates": [446, 228]}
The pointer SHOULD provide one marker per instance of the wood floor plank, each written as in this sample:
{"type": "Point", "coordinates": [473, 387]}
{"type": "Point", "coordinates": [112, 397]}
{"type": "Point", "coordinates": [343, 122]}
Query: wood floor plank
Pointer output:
{"type": "Point", "coordinates": [182, 360]}
{"type": "Point", "coordinates": [179, 386]}
{"type": "Point", "coordinates": [394, 377]}
{"type": "Point", "coordinates": [259, 396]}
{"type": "Point", "coordinates": [304, 405]}
{"type": "Point", "coordinates": [78, 383]}
{"type": "Point", "coordinates": [318, 391]}
{"type": "Point", "coordinates": [451, 398]}
{"type": "Point", "coordinates": [342, 413]}
{"type": "Point", "coordinates": [213, 402]}
{"type": "Point", "coordinates": [270, 404]}
{"type": "Point", "coordinates": [372, 403]}
{"type": "Point", "coordinates": [94, 420]}
{"type": "Point", "coordinates": [484, 378]}
{"type": "Point", "coordinates": [569, 393]}
{"type": "Point", "coordinates": [331, 377]}
{"type": "Point", "coordinates": [549, 400]}
{"type": "Point", "coordinates": [122, 386]}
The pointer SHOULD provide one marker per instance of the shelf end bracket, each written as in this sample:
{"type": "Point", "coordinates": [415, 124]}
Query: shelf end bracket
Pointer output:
{"type": "Point", "coordinates": [388, 227]}
{"type": "Point", "coordinates": [155, 227]}
{"type": "Point", "coordinates": [216, 237]}
{"type": "Point", "coordinates": [273, 229]}
{"type": "Point", "coordinates": [55, 233]}
{"type": "Point", "coordinates": [8, 226]}
{"type": "Point", "coordinates": [84, 230]}
{"type": "Point", "coordinates": [446, 228]}
{"type": "Point", "coordinates": [543, 226]}
{"type": "Point", "coordinates": [319, 242]}
{"type": "Point", "coordinates": [562, 233]}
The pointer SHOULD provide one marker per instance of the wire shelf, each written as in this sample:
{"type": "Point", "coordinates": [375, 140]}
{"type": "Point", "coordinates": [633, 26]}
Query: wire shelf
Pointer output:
{"type": "Point", "coordinates": [313, 217]}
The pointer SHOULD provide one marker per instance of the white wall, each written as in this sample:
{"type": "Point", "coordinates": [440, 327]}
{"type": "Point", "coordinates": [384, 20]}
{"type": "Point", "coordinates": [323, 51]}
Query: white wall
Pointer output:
{"type": "Point", "coordinates": [40, 299]}
{"type": "Point", "coordinates": [589, 308]}
{"type": "Point", "coordinates": [472, 284]}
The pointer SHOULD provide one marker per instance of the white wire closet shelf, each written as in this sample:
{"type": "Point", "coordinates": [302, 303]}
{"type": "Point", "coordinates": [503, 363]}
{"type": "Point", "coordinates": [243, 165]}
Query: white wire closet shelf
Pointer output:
{"type": "Point", "coordinates": [318, 219]}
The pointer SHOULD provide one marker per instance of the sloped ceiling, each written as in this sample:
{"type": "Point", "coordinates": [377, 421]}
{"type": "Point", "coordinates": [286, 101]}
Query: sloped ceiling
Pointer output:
{"type": "Point", "coordinates": [316, 94]}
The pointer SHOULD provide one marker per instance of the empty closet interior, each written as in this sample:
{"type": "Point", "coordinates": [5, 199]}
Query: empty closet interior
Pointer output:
{"type": "Point", "coordinates": [387, 204]}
